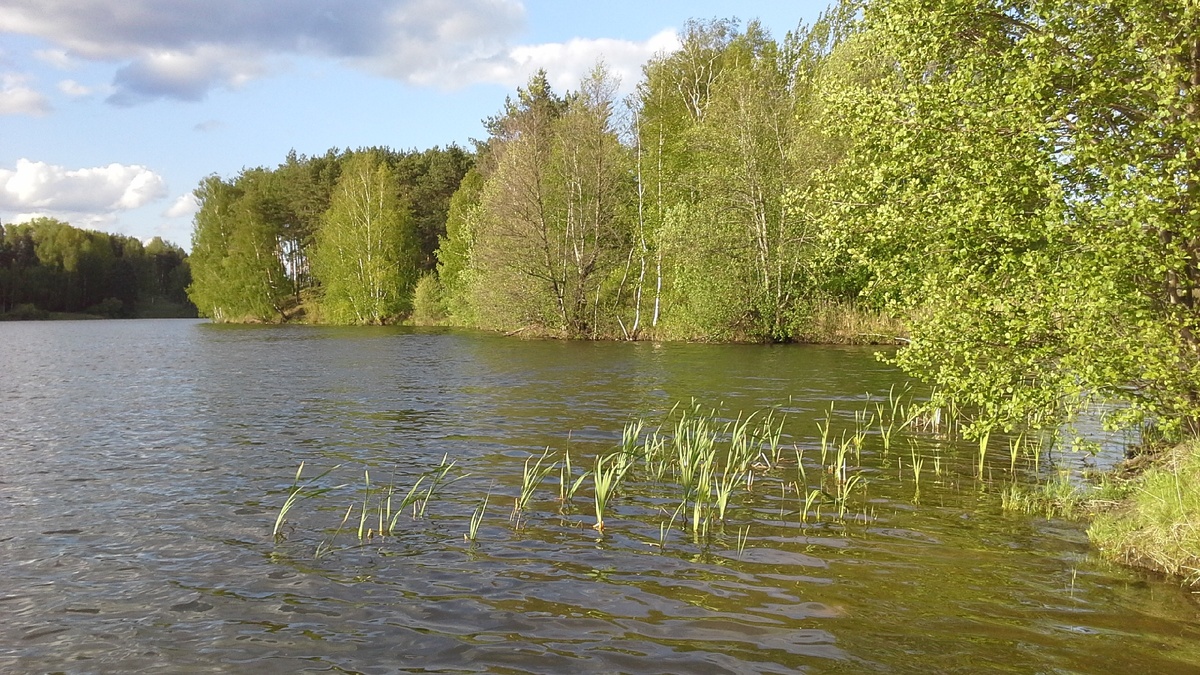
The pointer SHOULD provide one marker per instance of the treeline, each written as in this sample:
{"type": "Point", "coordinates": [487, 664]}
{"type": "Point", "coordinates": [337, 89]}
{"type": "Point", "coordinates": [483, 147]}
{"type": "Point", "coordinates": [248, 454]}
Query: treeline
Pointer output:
{"type": "Point", "coordinates": [1017, 180]}
{"type": "Point", "coordinates": [682, 212]}
{"type": "Point", "coordinates": [49, 266]}
{"type": "Point", "coordinates": [342, 237]}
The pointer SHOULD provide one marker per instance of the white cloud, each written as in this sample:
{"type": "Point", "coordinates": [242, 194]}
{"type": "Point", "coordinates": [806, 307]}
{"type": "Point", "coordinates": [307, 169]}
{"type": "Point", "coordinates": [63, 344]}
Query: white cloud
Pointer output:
{"type": "Point", "coordinates": [59, 58]}
{"type": "Point", "coordinates": [566, 63]}
{"type": "Point", "coordinates": [100, 191]}
{"type": "Point", "coordinates": [207, 126]}
{"type": "Point", "coordinates": [185, 48]}
{"type": "Point", "coordinates": [74, 89]}
{"type": "Point", "coordinates": [18, 98]}
{"type": "Point", "coordinates": [185, 206]}
{"type": "Point", "coordinates": [183, 75]}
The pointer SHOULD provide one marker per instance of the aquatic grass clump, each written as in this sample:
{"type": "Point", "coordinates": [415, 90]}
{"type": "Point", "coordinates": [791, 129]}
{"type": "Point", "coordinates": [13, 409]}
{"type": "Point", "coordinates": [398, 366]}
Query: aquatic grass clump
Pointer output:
{"type": "Point", "coordinates": [379, 508]}
{"type": "Point", "coordinates": [296, 493]}
{"type": "Point", "coordinates": [531, 477]}
{"type": "Point", "coordinates": [477, 518]}
{"type": "Point", "coordinates": [568, 482]}
{"type": "Point", "coordinates": [606, 478]}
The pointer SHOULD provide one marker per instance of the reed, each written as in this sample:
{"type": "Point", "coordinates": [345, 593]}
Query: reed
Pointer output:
{"type": "Point", "coordinates": [824, 429]}
{"type": "Point", "coordinates": [743, 449]}
{"type": "Point", "coordinates": [703, 497]}
{"type": "Point", "coordinates": [531, 478]}
{"type": "Point", "coordinates": [326, 546]}
{"type": "Point", "coordinates": [743, 536]}
{"type": "Point", "coordinates": [809, 501]}
{"type": "Point", "coordinates": [723, 487]}
{"type": "Point", "coordinates": [389, 516]}
{"type": "Point", "coordinates": [298, 492]}
{"type": "Point", "coordinates": [843, 493]}
{"type": "Point", "coordinates": [983, 445]}
{"type": "Point", "coordinates": [629, 437]}
{"type": "Point", "coordinates": [917, 463]}
{"type": "Point", "coordinates": [655, 456]}
{"type": "Point", "coordinates": [1014, 449]}
{"type": "Point", "coordinates": [771, 434]}
{"type": "Point", "coordinates": [476, 518]}
{"type": "Point", "coordinates": [885, 433]}
{"type": "Point", "coordinates": [568, 483]}
{"type": "Point", "coordinates": [664, 527]}
{"type": "Point", "coordinates": [606, 478]}
{"type": "Point", "coordinates": [362, 519]}
{"type": "Point", "coordinates": [439, 476]}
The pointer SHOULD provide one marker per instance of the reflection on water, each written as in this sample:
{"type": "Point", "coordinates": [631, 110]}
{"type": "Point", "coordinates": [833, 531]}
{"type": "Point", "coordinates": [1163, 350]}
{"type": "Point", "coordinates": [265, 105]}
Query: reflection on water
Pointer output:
{"type": "Point", "coordinates": [145, 462]}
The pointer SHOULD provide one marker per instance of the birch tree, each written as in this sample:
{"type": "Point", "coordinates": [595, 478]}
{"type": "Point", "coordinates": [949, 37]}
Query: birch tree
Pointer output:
{"type": "Point", "coordinates": [366, 253]}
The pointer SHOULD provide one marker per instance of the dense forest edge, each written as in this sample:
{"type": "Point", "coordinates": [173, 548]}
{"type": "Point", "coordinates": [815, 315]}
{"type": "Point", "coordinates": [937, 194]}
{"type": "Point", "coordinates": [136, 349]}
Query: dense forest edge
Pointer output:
{"type": "Point", "coordinates": [51, 270]}
{"type": "Point", "coordinates": [1010, 189]}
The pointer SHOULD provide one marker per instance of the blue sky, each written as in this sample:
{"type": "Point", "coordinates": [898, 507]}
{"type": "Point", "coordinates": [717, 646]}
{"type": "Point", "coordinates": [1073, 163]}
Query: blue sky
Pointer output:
{"type": "Point", "coordinates": [111, 111]}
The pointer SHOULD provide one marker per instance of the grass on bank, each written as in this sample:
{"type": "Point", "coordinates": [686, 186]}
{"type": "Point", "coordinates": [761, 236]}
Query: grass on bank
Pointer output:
{"type": "Point", "coordinates": [1157, 526]}
{"type": "Point", "coordinates": [837, 323]}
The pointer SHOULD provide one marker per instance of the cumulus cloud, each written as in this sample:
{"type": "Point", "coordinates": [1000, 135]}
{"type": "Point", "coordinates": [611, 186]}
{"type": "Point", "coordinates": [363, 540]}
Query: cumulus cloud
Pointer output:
{"type": "Point", "coordinates": [59, 58]}
{"type": "Point", "coordinates": [185, 76]}
{"type": "Point", "coordinates": [185, 48]}
{"type": "Point", "coordinates": [185, 206]}
{"type": "Point", "coordinates": [18, 98]}
{"type": "Point", "coordinates": [566, 63]}
{"type": "Point", "coordinates": [38, 187]}
{"type": "Point", "coordinates": [74, 89]}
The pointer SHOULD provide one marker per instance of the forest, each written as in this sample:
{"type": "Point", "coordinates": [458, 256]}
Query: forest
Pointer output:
{"type": "Point", "coordinates": [1011, 186]}
{"type": "Point", "coordinates": [48, 267]}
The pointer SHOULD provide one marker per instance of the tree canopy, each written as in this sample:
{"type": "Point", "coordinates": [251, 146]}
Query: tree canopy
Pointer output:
{"type": "Point", "coordinates": [47, 265]}
{"type": "Point", "coordinates": [1018, 181]}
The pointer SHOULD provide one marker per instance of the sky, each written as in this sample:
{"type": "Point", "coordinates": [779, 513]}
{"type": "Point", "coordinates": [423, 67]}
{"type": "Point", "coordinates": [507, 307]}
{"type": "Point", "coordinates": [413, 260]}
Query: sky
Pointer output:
{"type": "Point", "coordinates": [112, 111]}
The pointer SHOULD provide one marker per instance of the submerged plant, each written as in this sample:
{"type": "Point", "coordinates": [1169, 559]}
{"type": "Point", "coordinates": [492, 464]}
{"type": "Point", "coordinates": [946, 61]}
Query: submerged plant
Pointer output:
{"type": "Point", "coordinates": [917, 462]}
{"type": "Point", "coordinates": [743, 536]}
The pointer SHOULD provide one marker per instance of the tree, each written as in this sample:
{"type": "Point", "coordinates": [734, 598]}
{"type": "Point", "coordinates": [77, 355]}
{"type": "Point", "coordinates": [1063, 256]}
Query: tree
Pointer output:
{"type": "Point", "coordinates": [552, 226]}
{"type": "Point", "coordinates": [366, 253]}
{"type": "Point", "coordinates": [455, 249]}
{"type": "Point", "coordinates": [1023, 180]}
{"type": "Point", "coordinates": [236, 266]}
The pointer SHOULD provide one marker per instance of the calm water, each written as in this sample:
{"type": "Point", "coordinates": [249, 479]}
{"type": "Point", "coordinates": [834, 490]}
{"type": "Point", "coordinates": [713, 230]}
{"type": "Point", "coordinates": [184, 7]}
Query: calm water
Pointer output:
{"type": "Point", "coordinates": [145, 463]}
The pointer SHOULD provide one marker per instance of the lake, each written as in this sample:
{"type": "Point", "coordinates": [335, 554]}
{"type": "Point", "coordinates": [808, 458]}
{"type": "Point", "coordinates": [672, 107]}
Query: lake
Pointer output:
{"type": "Point", "coordinates": [146, 462]}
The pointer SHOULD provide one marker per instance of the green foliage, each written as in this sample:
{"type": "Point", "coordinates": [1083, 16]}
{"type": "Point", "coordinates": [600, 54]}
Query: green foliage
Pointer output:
{"type": "Point", "coordinates": [366, 251]}
{"type": "Point", "coordinates": [48, 266]}
{"type": "Point", "coordinates": [455, 248]}
{"type": "Point", "coordinates": [1158, 525]}
{"type": "Point", "coordinates": [429, 307]}
{"type": "Point", "coordinates": [1021, 179]}
{"type": "Point", "coordinates": [256, 236]}
{"type": "Point", "coordinates": [237, 271]}
{"type": "Point", "coordinates": [552, 223]}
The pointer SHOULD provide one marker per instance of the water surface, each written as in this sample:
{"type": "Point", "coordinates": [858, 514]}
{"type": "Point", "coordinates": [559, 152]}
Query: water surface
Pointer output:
{"type": "Point", "coordinates": [145, 463]}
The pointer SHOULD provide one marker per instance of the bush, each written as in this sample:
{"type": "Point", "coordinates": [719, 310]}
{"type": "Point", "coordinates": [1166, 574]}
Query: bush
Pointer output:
{"type": "Point", "coordinates": [429, 308]}
{"type": "Point", "coordinates": [25, 312]}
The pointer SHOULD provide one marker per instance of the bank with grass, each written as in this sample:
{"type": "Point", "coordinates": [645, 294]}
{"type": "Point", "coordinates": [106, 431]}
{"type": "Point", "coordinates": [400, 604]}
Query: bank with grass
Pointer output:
{"type": "Point", "coordinates": [1156, 524]}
